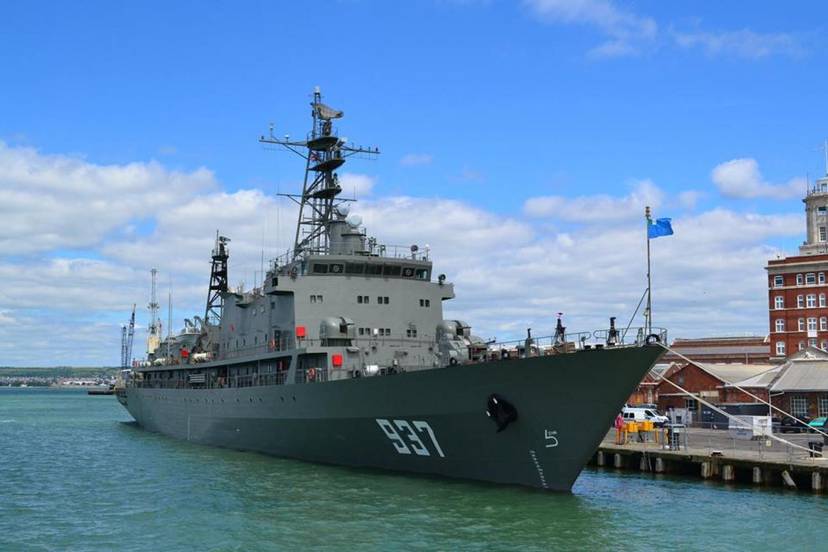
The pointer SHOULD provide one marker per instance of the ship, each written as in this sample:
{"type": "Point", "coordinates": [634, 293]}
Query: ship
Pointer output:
{"type": "Point", "coordinates": [342, 356]}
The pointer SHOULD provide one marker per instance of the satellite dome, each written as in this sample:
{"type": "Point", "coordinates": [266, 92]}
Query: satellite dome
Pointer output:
{"type": "Point", "coordinates": [354, 220]}
{"type": "Point", "coordinates": [343, 210]}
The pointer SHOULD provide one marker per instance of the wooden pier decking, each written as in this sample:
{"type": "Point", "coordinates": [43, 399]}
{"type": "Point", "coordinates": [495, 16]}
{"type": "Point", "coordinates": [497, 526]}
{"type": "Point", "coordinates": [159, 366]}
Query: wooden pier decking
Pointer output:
{"type": "Point", "coordinates": [713, 454]}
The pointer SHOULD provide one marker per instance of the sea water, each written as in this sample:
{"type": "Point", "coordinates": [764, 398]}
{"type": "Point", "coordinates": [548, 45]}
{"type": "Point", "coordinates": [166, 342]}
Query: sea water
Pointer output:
{"type": "Point", "coordinates": [77, 474]}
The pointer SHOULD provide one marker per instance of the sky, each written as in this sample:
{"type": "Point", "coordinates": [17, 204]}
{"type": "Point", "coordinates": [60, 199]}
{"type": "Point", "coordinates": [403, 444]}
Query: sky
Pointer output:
{"type": "Point", "coordinates": [520, 140]}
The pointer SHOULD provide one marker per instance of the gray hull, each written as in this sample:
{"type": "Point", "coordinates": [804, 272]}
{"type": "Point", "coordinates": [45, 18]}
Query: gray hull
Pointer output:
{"type": "Point", "coordinates": [430, 422]}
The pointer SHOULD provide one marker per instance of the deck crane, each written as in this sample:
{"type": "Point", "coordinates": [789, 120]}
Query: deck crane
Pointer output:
{"type": "Point", "coordinates": [127, 334]}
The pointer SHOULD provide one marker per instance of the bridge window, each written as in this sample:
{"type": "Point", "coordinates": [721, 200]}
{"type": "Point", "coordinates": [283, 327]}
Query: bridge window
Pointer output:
{"type": "Point", "coordinates": [421, 274]}
{"type": "Point", "coordinates": [319, 268]}
{"type": "Point", "coordinates": [354, 268]}
{"type": "Point", "coordinates": [373, 269]}
{"type": "Point", "coordinates": [391, 270]}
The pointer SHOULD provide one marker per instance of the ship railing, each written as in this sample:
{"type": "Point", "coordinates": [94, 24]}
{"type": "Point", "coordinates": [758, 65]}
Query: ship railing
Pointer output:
{"type": "Point", "coordinates": [257, 380]}
{"type": "Point", "coordinates": [577, 341]}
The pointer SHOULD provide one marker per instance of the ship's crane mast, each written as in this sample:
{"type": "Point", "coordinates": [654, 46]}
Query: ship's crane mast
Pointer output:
{"type": "Point", "coordinates": [323, 152]}
{"type": "Point", "coordinates": [127, 334]}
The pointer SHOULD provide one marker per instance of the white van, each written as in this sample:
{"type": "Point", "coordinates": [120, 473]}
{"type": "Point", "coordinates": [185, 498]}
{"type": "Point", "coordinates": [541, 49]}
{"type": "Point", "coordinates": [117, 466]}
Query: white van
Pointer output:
{"type": "Point", "coordinates": [636, 414]}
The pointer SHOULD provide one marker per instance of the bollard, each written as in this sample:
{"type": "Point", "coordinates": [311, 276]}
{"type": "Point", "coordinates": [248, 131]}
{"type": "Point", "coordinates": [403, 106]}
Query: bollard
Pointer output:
{"type": "Point", "coordinates": [728, 473]}
{"type": "Point", "coordinates": [600, 460]}
{"type": "Point", "coordinates": [816, 481]}
{"type": "Point", "coordinates": [659, 465]}
{"type": "Point", "coordinates": [706, 470]}
{"type": "Point", "coordinates": [618, 461]}
{"type": "Point", "coordinates": [757, 475]}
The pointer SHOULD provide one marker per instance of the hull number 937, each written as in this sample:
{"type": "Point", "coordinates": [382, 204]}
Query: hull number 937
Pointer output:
{"type": "Point", "coordinates": [411, 437]}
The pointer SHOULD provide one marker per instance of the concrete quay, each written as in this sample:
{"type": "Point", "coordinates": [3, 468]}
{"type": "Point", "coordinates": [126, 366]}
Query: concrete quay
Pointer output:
{"type": "Point", "coordinates": [714, 455]}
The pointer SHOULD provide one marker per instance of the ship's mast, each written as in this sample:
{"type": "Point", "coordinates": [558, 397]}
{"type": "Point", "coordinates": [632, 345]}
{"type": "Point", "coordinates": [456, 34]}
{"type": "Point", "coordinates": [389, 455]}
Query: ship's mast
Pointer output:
{"type": "Point", "coordinates": [323, 152]}
{"type": "Point", "coordinates": [154, 337]}
{"type": "Point", "coordinates": [218, 282]}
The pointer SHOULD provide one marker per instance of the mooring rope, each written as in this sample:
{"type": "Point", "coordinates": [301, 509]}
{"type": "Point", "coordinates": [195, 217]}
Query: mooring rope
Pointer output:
{"type": "Point", "coordinates": [732, 417]}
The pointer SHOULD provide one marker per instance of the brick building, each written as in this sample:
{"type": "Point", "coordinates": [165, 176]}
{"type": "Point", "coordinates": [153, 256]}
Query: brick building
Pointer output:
{"type": "Point", "coordinates": [705, 381]}
{"type": "Point", "coordinates": [797, 286]}
{"type": "Point", "coordinates": [738, 349]}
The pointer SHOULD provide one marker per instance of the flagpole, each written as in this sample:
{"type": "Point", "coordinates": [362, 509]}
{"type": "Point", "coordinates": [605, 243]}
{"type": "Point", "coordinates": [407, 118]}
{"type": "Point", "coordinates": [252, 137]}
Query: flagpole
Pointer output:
{"type": "Point", "coordinates": [648, 322]}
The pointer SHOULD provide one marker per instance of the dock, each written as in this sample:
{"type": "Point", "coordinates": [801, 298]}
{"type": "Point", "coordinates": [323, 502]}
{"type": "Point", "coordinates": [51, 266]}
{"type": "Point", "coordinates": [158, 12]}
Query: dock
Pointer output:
{"type": "Point", "coordinates": [711, 454]}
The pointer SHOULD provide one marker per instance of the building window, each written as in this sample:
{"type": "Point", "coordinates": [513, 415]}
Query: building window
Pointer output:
{"type": "Point", "coordinates": [821, 299]}
{"type": "Point", "coordinates": [799, 279]}
{"type": "Point", "coordinates": [778, 281]}
{"type": "Point", "coordinates": [691, 404]}
{"type": "Point", "coordinates": [799, 405]}
{"type": "Point", "coordinates": [780, 325]}
{"type": "Point", "coordinates": [800, 301]}
{"type": "Point", "coordinates": [810, 278]}
{"type": "Point", "coordinates": [812, 342]}
{"type": "Point", "coordinates": [823, 323]}
{"type": "Point", "coordinates": [822, 234]}
{"type": "Point", "coordinates": [801, 324]}
{"type": "Point", "coordinates": [822, 209]}
{"type": "Point", "coordinates": [779, 302]}
{"type": "Point", "coordinates": [812, 324]}
{"type": "Point", "coordinates": [801, 345]}
{"type": "Point", "coordinates": [821, 277]}
{"type": "Point", "coordinates": [822, 405]}
{"type": "Point", "coordinates": [810, 301]}
{"type": "Point", "coordinates": [824, 345]}
{"type": "Point", "coordinates": [780, 348]}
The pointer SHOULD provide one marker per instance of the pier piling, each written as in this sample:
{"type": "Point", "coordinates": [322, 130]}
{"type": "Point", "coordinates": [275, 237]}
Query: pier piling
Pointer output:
{"type": "Point", "coordinates": [599, 458]}
{"type": "Point", "coordinates": [618, 461]}
{"type": "Point", "coordinates": [757, 475]}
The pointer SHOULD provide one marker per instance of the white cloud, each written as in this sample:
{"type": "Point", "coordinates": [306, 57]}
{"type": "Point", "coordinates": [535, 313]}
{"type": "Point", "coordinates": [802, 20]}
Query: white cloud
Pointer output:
{"type": "Point", "coordinates": [597, 208]}
{"type": "Point", "coordinates": [744, 43]}
{"type": "Point", "coordinates": [740, 178]}
{"type": "Point", "coordinates": [689, 198]}
{"type": "Point", "coordinates": [56, 201]}
{"type": "Point", "coordinates": [626, 31]}
{"type": "Point", "coordinates": [509, 272]}
{"type": "Point", "coordinates": [415, 159]}
{"type": "Point", "coordinates": [356, 185]}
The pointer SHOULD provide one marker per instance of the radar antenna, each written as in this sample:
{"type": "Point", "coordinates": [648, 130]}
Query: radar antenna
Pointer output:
{"type": "Point", "coordinates": [323, 152]}
{"type": "Point", "coordinates": [218, 282]}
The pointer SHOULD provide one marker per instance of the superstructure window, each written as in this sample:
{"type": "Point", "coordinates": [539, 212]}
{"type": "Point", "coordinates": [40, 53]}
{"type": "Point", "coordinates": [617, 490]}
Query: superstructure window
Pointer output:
{"type": "Point", "coordinates": [425, 302]}
{"type": "Point", "coordinates": [354, 268]}
{"type": "Point", "coordinates": [373, 269]}
{"type": "Point", "coordinates": [362, 299]}
{"type": "Point", "coordinates": [391, 270]}
{"type": "Point", "coordinates": [319, 268]}
{"type": "Point", "coordinates": [421, 274]}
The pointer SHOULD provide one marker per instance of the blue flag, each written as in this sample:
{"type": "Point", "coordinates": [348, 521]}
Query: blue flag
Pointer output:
{"type": "Point", "coordinates": [661, 227]}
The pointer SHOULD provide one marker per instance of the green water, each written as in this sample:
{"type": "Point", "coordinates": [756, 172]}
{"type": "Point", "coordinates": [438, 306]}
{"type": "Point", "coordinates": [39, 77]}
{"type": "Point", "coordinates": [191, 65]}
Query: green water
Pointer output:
{"type": "Point", "coordinates": [76, 475]}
